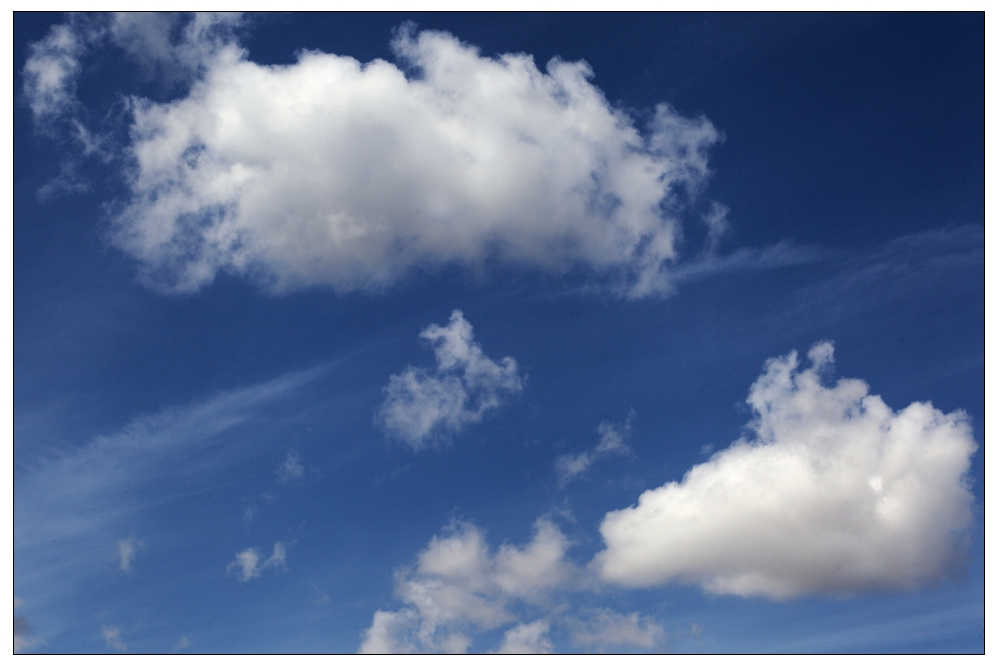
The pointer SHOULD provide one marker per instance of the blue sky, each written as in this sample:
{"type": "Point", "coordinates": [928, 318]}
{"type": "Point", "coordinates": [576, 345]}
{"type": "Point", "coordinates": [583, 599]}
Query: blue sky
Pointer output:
{"type": "Point", "coordinates": [541, 333]}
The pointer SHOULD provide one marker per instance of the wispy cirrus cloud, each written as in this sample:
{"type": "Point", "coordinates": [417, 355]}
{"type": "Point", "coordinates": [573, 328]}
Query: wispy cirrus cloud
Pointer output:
{"type": "Point", "coordinates": [74, 492]}
{"type": "Point", "coordinates": [614, 437]}
{"type": "Point", "coordinates": [73, 505]}
{"type": "Point", "coordinates": [423, 407]}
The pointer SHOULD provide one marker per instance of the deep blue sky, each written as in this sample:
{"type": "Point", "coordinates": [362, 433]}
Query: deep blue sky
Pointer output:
{"type": "Point", "coordinates": [857, 140]}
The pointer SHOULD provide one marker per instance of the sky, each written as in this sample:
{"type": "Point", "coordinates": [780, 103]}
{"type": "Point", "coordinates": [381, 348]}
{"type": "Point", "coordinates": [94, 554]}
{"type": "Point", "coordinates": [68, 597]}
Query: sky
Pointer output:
{"type": "Point", "coordinates": [536, 333]}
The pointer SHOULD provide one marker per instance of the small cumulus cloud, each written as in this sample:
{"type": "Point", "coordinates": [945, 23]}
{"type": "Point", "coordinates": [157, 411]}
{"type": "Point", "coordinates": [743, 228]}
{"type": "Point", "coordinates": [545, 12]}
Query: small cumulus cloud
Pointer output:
{"type": "Point", "coordinates": [422, 407]}
{"type": "Point", "coordinates": [127, 548]}
{"type": "Point", "coordinates": [112, 638]}
{"type": "Point", "coordinates": [51, 70]}
{"type": "Point", "coordinates": [832, 492]}
{"type": "Point", "coordinates": [604, 629]}
{"type": "Point", "coordinates": [527, 638]}
{"type": "Point", "coordinates": [613, 442]}
{"type": "Point", "coordinates": [182, 644]}
{"type": "Point", "coordinates": [291, 468]}
{"type": "Point", "coordinates": [248, 565]}
{"type": "Point", "coordinates": [458, 586]}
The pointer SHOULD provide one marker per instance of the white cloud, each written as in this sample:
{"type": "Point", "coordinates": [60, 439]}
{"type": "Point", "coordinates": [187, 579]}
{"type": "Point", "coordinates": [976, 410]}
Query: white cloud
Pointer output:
{"type": "Point", "coordinates": [249, 566]}
{"type": "Point", "coordinates": [336, 173]}
{"type": "Point", "coordinates": [457, 586]}
{"type": "Point", "coordinates": [183, 643]}
{"type": "Point", "coordinates": [127, 549]}
{"type": "Point", "coordinates": [169, 45]}
{"type": "Point", "coordinates": [389, 632]}
{"type": "Point", "coordinates": [603, 629]}
{"type": "Point", "coordinates": [421, 407]}
{"type": "Point", "coordinates": [527, 638]}
{"type": "Point", "coordinates": [291, 468]}
{"type": "Point", "coordinates": [718, 225]}
{"type": "Point", "coordinates": [173, 46]}
{"type": "Point", "coordinates": [51, 70]}
{"type": "Point", "coordinates": [112, 637]}
{"type": "Point", "coordinates": [613, 442]}
{"type": "Point", "coordinates": [76, 492]}
{"type": "Point", "coordinates": [832, 493]}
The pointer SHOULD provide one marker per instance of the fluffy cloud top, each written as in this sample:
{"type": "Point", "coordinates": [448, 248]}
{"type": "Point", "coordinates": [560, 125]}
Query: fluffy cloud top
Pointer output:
{"type": "Point", "coordinates": [349, 175]}
{"type": "Point", "coordinates": [457, 585]}
{"type": "Point", "coordinates": [526, 638]}
{"type": "Point", "coordinates": [833, 493]}
{"type": "Point", "coordinates": [248, 564]}
{"type": "Point", "coordinates": [420, 406]}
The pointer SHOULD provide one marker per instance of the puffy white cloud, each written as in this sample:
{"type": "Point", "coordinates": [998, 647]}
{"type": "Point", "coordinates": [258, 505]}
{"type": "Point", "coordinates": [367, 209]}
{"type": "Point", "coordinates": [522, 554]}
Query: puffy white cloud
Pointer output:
{"type": "Point", "coordinates": [249, 566]}
{"type": "Point", "coordinates": [421, 407]}
{"type": "Point", "coordinates": [337, 173]}
{"type": "Point", "coordinates": [389, 632]}
{"type": "Point", "coordinates": [51, 71]}
{"type": "Point", "coordinates": [613, 441]}
{"type": "Point", "coordinates": [527, 638]}
{"type": "Point", "coordinates": [127, 549]}
{"type": "Point", "coordinates": [603, 629]}
{"type": "Point", "coordinates": [832, 492]}
{"type": "Point", "coordinates": [113, 638]}
{"type": "Point", "coordinates": [457, 585]}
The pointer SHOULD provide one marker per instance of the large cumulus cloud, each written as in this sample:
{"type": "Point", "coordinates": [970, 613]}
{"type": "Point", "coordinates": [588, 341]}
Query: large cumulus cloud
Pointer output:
{"type": "Point", "coordinates": [833, 492]}
{"type": "Point", "coordinates": [349, 175]}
